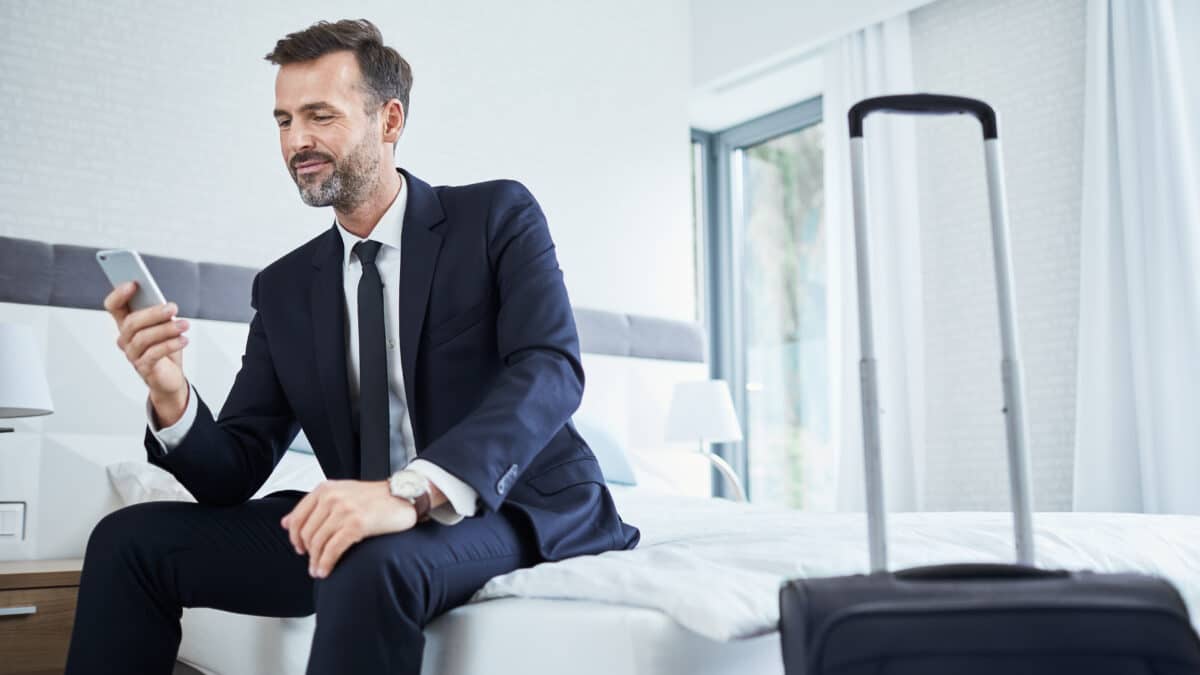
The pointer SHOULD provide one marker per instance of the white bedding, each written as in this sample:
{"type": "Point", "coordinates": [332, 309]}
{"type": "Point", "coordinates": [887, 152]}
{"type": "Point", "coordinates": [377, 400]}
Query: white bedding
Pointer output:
{"type": "Point", "coordinates": [716, 566]}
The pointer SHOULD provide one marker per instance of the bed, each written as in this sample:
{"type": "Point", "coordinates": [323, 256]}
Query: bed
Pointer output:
{"type": "Point", "coordinates": [492, 634]}
{"type": "Point", "coordinates": [698, 595]}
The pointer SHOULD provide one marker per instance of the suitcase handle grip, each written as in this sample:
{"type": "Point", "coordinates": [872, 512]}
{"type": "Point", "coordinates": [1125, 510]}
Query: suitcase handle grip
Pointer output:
{"type": "Point", "coordinates": [977, 571]}
{"type": "Point", "coordinates": [923, 104]}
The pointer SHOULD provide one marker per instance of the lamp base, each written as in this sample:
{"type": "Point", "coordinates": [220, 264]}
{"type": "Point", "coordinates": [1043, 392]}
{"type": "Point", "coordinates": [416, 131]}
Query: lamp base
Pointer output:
{"type": "Point", "coordinates": [726, 470]}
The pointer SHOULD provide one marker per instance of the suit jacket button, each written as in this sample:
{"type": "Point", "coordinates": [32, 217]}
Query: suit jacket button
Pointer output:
{"type": "Point", "coordinates": [506, 480]}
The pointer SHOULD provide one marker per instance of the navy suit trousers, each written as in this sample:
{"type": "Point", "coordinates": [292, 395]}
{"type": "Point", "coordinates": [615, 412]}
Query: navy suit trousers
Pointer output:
{"type": "Point", "coordinates": [146, 562]}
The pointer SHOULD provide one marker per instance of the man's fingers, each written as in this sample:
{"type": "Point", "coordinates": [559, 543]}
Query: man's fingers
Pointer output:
{"type": "Point", "coordinates": [137, 320]}
{"type": "Point", "coordinates": [148, 337]}
{"type": "Point", "coordinates": [155, 333]}
{"type": "Point", "coordinates": [148, 316]}
{"type": "Point", "coordinates": [330, 527]}
{"type": "Point", "coordinates": [319, 516]}
{"type": "Point", "coordinates": [151, 344]}
{"type": "Point", "coordinates": [117, 300]}
{"type": "Point", "coordinates": [295, 519]}
{"type": "Point", "coordinates": [145, 363]}
{"type": "Point", "coordinates": [333, 552]}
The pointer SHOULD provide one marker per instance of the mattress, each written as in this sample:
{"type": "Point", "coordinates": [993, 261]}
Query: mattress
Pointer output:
{"type": "Point", "coordinates": [530, 636]}
{"type": "Point", "coordinates": [741, 553]}
{"type": "Point", "coordinates": [700, 592]}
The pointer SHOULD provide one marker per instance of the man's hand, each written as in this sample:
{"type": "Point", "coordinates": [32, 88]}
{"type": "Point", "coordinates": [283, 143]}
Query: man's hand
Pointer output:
{"type": "Point", "coordinates": [340, 513]}
{"type": "Point", "coordinates": [153, 341]}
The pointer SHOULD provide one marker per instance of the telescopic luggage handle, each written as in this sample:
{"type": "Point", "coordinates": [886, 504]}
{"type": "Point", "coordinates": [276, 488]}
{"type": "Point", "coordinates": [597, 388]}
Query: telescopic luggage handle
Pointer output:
{"type": "Point", "coordinates": [1014, 396]}
{"type": "Point", "coordinates": [923, 104]}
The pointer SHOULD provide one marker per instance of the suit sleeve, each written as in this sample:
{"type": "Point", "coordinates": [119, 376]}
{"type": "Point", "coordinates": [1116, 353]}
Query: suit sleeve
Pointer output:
{"type": "Point", "coordinates": [169, 437]}
{"type": "Point", "coordinates": [541, 383]}
{"type": "Point", "coordinates": [223, 462]}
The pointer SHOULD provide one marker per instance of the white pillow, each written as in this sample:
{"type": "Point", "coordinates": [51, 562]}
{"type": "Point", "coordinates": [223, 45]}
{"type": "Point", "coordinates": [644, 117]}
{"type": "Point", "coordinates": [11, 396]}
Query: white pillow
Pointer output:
{"type": "Point", "coordinates": [140, 481]}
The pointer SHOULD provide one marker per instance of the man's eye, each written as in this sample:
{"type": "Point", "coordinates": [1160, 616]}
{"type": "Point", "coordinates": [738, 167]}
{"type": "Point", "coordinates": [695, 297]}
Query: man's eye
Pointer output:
{"type": "Point", "coordinates": [283, 124]}
{"type": "Point", "coordinates": [322, 118]}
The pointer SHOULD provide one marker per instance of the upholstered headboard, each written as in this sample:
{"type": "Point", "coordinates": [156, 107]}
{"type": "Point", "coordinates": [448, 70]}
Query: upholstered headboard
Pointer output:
{"type": "Point", "coordinates": [57, 463]}
{"type": "Point", "coordinates": [66, 275]}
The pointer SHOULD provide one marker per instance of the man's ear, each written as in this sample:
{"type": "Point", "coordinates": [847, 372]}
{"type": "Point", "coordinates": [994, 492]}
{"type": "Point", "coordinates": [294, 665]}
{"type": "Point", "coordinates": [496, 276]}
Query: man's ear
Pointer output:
{"type": "Point", "coordinates": [393, 121]}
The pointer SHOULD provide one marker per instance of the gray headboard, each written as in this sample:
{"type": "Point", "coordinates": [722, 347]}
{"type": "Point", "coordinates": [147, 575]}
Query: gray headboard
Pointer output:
{"type": "Point", "coordinates": [65, 275]}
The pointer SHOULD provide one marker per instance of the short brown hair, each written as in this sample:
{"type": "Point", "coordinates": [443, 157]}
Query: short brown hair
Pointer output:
{"type": "Point", "coordinates": [386, 75]}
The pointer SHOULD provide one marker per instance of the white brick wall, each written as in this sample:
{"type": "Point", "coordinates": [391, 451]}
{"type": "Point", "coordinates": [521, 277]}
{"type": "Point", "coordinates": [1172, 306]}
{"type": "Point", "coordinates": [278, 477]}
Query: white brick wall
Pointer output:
{"type": "Point", "coordinates": [147, 124]}
{"type": "Point", "coordinates": [1025, 57]}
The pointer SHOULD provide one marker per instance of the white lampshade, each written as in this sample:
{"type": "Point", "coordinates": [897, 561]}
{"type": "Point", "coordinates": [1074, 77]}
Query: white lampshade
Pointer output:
{"type": "Point", "coordinates": [24, 391]}
{"type": "Point", "coordinates": [702, 411]}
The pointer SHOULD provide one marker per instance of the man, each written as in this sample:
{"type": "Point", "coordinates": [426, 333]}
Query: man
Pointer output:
{"type": "Point", "coordinates": [428, 322]}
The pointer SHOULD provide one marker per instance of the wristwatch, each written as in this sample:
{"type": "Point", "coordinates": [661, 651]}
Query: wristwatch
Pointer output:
{"type": "Point", "coordinates": [413, 487]}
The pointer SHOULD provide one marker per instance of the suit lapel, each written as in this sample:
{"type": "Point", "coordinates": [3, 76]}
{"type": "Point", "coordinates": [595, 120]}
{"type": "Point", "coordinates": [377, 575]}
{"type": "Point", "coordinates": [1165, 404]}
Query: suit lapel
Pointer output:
{"type": "Point", "coordinates": [420, 245]}
{"type": "Point", "coordinates": [328, 312]}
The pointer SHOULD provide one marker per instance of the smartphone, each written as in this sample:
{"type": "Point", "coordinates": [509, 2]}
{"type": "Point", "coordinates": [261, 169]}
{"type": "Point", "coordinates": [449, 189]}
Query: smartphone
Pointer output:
{"type": "Point", "coordinates": [121, 265]}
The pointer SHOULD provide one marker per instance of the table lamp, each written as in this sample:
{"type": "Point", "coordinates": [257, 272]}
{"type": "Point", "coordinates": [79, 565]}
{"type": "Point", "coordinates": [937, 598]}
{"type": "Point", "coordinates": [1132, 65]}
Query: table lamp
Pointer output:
{"type": "Point", "coordinates": [24, 391]}
{"type": "Point", "coordinates": [702, 412]}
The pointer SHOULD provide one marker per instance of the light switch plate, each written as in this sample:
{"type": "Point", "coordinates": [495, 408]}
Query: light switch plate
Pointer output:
{"type": "Point", "coordinates": [12, 521]}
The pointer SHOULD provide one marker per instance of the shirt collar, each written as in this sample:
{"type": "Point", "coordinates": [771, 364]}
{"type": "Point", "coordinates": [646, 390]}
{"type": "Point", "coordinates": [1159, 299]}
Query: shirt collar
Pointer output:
{"type": "Point", "coordinates": [386, 231]}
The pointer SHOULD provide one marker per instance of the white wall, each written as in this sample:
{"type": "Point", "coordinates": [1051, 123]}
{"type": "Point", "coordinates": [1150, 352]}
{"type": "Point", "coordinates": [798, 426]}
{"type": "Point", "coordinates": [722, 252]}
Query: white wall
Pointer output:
{"type": "Point", "coordinates": [754, 57]}
{"type": "Point", "coordinates": [148, 125]}
{"type": "Point", "coordinates": [1025, 57]}
{"type": "Point", "coordinates": [735, 39]}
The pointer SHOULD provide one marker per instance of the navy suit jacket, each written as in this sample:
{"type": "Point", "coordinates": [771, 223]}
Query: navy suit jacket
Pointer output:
{"type": "Point", "coordinates": [490, 356]}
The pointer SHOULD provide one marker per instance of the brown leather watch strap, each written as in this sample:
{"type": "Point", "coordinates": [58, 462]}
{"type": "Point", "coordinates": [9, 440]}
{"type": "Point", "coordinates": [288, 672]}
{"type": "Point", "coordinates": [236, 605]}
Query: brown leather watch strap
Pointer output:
{"type": "Point", "coordinates": [421, 504]}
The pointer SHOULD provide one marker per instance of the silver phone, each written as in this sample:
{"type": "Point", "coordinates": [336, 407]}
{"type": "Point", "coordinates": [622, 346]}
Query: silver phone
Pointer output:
{"type": "Point", "coordinates": [121, 265]}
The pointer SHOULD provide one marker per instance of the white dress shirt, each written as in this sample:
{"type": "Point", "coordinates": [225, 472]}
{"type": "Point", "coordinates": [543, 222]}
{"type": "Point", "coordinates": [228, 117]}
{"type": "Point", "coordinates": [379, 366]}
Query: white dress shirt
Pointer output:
{"type": "Point", "coordinates": [461, 498]}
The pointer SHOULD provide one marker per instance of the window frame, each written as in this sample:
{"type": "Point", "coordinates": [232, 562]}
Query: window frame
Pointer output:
{"type": "Point", "coordinates": [722, 156]}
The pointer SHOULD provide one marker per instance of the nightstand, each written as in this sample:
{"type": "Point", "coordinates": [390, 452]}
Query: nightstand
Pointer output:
{"type": "Point", "coordinates": [37, 610]}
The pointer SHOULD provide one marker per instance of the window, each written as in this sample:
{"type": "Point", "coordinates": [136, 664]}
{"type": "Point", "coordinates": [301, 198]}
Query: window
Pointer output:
{"type": "Point", "coordinates": [767, 311]}
{"type": "Point", "coordinates": [699, 219]}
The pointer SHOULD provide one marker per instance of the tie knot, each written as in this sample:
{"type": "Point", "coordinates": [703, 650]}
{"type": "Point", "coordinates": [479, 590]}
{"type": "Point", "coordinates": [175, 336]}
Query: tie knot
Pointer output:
{"type": "Point", "coordinates": [366, 251]}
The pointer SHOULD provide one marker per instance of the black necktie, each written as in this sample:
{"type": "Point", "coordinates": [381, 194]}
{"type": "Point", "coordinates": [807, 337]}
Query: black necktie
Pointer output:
{"type": "Point", "coordinates": [373, 432]}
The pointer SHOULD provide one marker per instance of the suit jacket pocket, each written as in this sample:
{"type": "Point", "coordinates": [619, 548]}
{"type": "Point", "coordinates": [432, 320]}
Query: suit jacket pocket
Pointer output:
{"type": "Point", "coordinates": [567, 474]}
{"type": "Point", "coordinates": [457, 324]}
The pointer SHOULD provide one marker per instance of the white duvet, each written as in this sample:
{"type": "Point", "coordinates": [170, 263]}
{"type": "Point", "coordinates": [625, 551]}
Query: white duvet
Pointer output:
{"type": "Point", "coordinates": [716, 566]}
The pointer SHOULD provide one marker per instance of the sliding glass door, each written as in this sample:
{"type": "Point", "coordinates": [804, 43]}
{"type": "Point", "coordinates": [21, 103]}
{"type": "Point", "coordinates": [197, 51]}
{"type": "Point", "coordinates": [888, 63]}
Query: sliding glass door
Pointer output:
{"type": "Point", "coordinates": [768, 310]}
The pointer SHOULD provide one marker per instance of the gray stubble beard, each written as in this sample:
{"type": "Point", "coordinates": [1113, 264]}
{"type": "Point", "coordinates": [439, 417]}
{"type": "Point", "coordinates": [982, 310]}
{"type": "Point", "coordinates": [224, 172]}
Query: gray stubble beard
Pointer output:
{"type": "Point", "coordinates": [348, 186]}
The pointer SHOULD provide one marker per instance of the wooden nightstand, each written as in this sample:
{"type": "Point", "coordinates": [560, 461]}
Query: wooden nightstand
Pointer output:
{"type": "Point", "coordinates": [37, 610]}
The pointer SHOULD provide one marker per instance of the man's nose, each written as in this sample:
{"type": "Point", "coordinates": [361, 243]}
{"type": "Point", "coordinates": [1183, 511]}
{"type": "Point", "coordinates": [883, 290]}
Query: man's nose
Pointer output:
{"type": "Point", "coordinates": [299, 139]}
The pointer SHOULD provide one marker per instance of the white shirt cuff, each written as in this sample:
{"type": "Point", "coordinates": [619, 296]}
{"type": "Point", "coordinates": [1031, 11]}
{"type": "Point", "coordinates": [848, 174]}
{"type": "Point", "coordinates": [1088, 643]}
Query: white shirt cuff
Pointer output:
{"type": "Point", "coordinates": [170, 437]}
{"type": "Point", "coordinates": [460, 497]}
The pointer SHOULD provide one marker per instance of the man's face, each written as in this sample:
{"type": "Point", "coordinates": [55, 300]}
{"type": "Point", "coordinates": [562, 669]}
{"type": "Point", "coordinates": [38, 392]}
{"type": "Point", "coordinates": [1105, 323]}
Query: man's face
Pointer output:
{"type": "Point", "coordinates": [332, 148]}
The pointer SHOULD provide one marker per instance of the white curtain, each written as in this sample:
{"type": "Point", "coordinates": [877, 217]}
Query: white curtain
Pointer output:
{"type": "Point", "coordinates": [1137, 440]}
{"type": "Point", "coordinates": [872, 62]}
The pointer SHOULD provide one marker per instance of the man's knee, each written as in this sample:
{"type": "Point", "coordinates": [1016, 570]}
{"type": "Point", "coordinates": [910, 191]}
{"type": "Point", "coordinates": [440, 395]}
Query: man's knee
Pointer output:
{"type": "Point", "coordinates": [379, 568]}
{"type": "Point", "coordinates": [134, 525]}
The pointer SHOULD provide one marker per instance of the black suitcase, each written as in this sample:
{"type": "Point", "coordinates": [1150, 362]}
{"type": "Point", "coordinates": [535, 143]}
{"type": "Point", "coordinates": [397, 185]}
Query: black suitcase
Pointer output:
{"type": "Point", "coordinates": [976, 619]}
